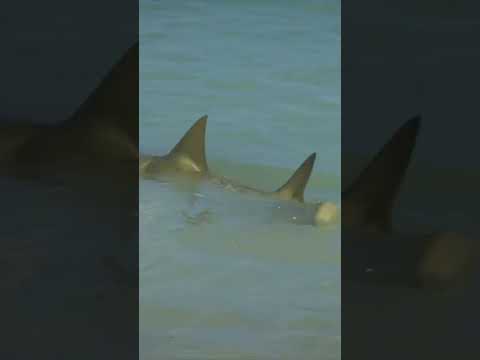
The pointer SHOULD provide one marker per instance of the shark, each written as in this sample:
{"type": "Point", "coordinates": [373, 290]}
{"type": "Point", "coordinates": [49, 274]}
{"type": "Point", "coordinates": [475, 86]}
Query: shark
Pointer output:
{"type": "Point", "coordinates": [94, 150]}
{"type": "Point", "coordinates": [187, 160]}
{"type": "Point", "coordinates": [374, 251]}
{"type": "Point", "coordinates": [100, 136]}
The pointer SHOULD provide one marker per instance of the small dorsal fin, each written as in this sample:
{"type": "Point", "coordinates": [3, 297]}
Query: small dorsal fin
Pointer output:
{"type": "Point", "coordinates": [192, 145]}
{"type": "Point", "coordinates": [115, 100]}
{"type": "Point", "coordinates": [369, 200]}
{"type": "Point", "coordinates": [295, 186]}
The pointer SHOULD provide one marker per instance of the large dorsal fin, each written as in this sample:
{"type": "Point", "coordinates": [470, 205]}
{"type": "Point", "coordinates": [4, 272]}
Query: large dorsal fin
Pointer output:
{"type": "Point", "coordinates": [369, 200]}
{"type": "Point", "coordinates": [191, 146]}
{"type": "Point", "coordinates": [115, 100]}
{"type": "Point", "coordinates": [295, 186]}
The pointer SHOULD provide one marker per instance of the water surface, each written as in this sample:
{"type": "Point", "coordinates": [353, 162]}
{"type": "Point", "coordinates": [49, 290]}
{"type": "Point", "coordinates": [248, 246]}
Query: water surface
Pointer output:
{"type": "Point", "coordinates": [222, 276]}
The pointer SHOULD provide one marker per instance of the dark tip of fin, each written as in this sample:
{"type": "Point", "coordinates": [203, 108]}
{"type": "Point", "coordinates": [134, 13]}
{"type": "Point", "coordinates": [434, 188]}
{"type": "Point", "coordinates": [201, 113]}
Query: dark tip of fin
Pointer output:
{"type": "Point", "coordinates": [371, 196]}
{"type": "Point", "coordinates": [294, 188]}
{"type": "Point", "coordinates": [192, 145]}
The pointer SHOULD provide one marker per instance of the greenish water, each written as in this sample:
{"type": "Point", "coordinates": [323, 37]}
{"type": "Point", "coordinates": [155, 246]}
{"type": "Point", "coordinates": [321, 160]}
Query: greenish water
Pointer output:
{"type": "Point", "coordinates": [220, 278]}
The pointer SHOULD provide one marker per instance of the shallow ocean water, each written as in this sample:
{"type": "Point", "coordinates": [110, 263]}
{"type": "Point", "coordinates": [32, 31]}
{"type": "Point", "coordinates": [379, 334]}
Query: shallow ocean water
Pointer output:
{"type": "Point", "coordinates": [222, 276]}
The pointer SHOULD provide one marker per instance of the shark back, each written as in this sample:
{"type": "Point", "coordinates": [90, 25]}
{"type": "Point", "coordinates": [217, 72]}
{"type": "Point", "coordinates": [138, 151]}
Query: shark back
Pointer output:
{"type": "Point", "coordinates": [114, 102]}
{"type": "Point", "coordinates": [186, 158]}
{"type": "Point", "coordinates": [189, 153]}
{"type": "Point", "coordinates": [369, 199]}
{"type": "Point", "coordinates": [294, 188]}
{"type": "Point", "coordinates": [101, 135]}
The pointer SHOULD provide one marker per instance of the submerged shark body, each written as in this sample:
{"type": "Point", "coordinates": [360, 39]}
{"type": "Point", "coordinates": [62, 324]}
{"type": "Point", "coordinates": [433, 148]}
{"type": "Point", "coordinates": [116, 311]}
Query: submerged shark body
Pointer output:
{"type": "Point", "coordinates": [101, 136]}
{"type": "Point", "coordinates": [188, 160]}
{"type": "Point", "coordinates": [372, 251]}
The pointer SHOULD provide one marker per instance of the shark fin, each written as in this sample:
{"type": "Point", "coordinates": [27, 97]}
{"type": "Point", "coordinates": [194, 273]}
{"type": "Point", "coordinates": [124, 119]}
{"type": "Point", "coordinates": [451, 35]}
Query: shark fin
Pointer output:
{"type": "Point", "coordinates": [191, 146]}
{"type": "Point", "coordinates": [115, 100]}
{"type": "Point", "coordinates": [369, 200]}
{"type": "Point", "coordinates": [294, 188]}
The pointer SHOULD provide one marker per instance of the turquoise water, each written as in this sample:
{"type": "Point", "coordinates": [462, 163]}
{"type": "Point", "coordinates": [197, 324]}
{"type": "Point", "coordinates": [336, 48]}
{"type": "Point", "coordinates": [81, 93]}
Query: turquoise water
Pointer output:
{"type": "Point", "coordinates": [220, 277]}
